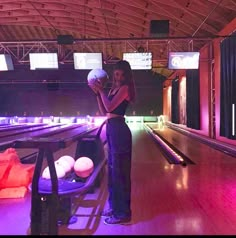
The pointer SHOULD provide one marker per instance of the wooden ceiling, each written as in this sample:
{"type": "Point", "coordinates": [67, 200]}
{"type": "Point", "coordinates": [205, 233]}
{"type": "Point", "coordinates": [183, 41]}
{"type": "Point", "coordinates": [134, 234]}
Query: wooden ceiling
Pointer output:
{"type": "Point", "coordinates": [112, 26]}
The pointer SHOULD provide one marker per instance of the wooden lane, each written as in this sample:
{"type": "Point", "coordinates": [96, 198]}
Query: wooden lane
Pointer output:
{"type": "Point", "coordinates": [38, 132]}
{"type": "Point", "coordinates": [167, 199]}
{"type": "Point", "coordinates": [7, 140]}
{"type": "Point", "coordinates": [4, 127]}
{"type": "Point", "coordinates": [22, 131]}
{"type": "Point", "coordinates": [147, 171]}
{"type": "Point", "coordinates": [15, 128]}
{"type": "Point", "coordinates": [203, 194]}
{"type": "Point", "coordinates": [216, 144]}
{"type": "Point", "coordinates": [170, 199]}
{"type": "Point", "coordinates": [68, 131]}
{"type": "Point", "coordinates": [13, 132]}
{"type": "Point", "coordinates": [198, 151]}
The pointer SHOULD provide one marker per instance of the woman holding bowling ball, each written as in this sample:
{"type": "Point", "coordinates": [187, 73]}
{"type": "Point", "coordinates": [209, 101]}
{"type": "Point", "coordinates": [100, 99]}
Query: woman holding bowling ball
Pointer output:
{"type": "Point", "coordinates": [119, 139]}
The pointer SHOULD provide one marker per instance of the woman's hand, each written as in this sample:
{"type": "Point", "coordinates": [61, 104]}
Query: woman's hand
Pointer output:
{"type": "Point", "coordinates": [94, 88]}
{"type": "Point", "coordinates": [98, 86]}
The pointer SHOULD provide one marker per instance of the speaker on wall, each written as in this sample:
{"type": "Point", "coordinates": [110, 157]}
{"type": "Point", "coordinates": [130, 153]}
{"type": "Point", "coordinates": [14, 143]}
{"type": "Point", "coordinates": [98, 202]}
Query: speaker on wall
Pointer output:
{"type": "Point", "coordinates": [159, 28]}
{"type": "Point", "coordinates": [65, 39]}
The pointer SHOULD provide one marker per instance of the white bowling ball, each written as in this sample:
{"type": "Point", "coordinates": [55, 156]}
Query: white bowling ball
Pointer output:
{"type": "Point", "coordinates": [65, 164]}
{"type": "Point", "coordinates": [59, 171]}
{"type": "Point", "coordinates": [97, 75]}
{"type": "Point", "coordinates": [69, 159]}
{"type": "Point", "coordinates": [83, 167]}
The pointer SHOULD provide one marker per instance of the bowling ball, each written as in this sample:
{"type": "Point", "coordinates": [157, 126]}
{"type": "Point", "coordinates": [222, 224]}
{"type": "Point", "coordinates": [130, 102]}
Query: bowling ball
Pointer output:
{"type": "Point", "coordinates": [59, 171]}
{"type": "Point", "coordinates": [69, 159]}
{"type": "Point", "coordinates": [83, 167]}
{"type": "Point", "coordinates": [99, 75]}
{"type": "Point", "coordinates": [65, 164]}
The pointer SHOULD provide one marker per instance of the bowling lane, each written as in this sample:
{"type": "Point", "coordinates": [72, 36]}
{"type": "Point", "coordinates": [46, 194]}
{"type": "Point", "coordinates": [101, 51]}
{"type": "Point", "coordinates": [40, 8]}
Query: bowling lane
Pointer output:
{"type": "Point", "coordinates": [197, 151]}
{"type": "Point", "coordinates": [72, 131]}
{"type": "Point", "coordinates": [169, 199]}
{"type": "Point", "coordinates": [147, 170]}
{"type": "Point", "coordinates": [159, 201]}
{"type": "Point", "coordinates": [12, 126]}
{"type": "Point", "coordinates": [31, 132]}
{"type": "Point", "coordinates": [3, 125]}
{"type": "Point", "coordinates": [144, 145]}
{"type": "Point", "coordinates": [19, 132]}
{"type": "Point", "coordinates": [17, 128]}
{"type": "Point", "coordinates": [38, 131]}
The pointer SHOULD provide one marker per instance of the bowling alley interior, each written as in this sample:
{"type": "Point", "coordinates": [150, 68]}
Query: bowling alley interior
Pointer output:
{"type": "Point", "coordinates": [53, 141]}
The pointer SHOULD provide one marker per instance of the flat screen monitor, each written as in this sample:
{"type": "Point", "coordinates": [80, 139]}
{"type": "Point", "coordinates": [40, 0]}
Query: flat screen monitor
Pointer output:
{"type": "Point", "coordinates": [6, 62]}
{"type": "Point", "coordinates": [87, 61]}
{"type": "Point", "coordinates": [43, 61]}
{"type": "Point", "coordinates": [183, 60]}
{"type": "Point", "coordinates": [139, 60]}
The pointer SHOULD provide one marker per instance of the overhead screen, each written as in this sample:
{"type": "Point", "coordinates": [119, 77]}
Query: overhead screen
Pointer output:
{"type": "Point", "coordinates": [183, 60]}
{"type": "Point", "coordinates": [139, 60]}
{"type": "Point", "coordinates": [6, 62]}
{"type": "Point", "coordinates": [43, 61]}
{"type": "Point", "coordinates": [87, 60]}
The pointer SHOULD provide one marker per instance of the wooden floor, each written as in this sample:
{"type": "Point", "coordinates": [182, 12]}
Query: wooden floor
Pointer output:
{"type": "Point", "coordinates": [167, 199]}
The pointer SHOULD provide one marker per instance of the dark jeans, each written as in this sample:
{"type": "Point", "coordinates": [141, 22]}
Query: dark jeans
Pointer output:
{"type": "Point", "coordinates": [119, 140]}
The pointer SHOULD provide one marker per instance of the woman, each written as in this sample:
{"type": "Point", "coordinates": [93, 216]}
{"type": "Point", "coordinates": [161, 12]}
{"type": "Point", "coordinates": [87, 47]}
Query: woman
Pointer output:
{"type": "Point", "coordinates": [119, 141]}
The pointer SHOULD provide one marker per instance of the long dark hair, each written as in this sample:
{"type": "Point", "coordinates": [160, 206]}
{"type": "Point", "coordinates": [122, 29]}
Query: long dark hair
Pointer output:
{"type": "Point", "coordinates": [125, 66]}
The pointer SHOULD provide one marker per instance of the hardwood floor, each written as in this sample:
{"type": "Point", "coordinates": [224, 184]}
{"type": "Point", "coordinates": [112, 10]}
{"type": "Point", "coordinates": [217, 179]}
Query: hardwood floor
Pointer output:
{"type": "Point", "coordinates": [167, 199]}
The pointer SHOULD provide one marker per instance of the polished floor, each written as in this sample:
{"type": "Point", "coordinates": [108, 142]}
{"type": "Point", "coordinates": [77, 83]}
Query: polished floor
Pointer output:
{"type": "Point", "coordinates": [167, 199]}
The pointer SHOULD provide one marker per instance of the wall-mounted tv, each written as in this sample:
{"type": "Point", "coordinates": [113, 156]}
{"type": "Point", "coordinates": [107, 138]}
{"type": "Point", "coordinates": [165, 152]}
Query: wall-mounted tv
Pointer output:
{"type": "Point", "coordinates": [43, 61]}
{"type": "Point", "coordinates": [139, 60]}
{"type": "Point", "coordinates": [183, 60]}
{"type": "Point", "coordinates": [87, 60]}
{"type": "Point", "coordinates": [6, 62]}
